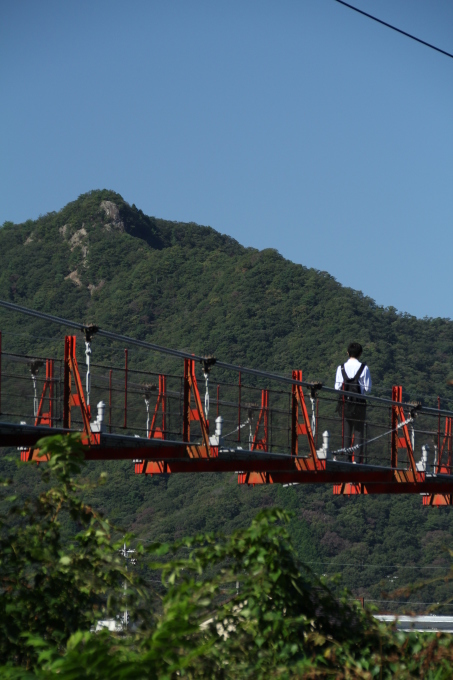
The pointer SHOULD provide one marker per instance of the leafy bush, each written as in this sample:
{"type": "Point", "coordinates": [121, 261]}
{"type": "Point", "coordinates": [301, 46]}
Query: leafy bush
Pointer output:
{"type": "Point", "coordinates": [241, 606]}
{"type": "Point", "coordinates": [53, 587]}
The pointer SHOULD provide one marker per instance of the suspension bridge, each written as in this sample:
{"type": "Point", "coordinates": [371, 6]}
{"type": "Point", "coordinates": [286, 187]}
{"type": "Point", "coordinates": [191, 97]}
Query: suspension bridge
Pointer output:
{"type": "Point", "coordinates": [267, 428]}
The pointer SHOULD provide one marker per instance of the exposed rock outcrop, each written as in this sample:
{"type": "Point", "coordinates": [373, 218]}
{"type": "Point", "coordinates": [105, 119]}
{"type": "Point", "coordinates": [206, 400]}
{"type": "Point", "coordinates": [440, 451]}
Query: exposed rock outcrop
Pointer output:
{"type": "Point", "coordinates": [74, 277]}
{"type": "Point", "coordinates": [93, 289]}
{"type": "Point", "coordinates": [77, 240]}
{"type": "Point", "coordinates": [113, 214]}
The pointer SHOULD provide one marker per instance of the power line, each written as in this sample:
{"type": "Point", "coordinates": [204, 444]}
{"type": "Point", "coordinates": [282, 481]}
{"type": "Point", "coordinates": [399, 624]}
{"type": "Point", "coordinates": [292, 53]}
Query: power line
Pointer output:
{"type": "Point", "coordinates": [394, 28]}
{"type": "Point", "coordinates": [376, 566]}
{"type": "Point", "coordinates": [408, 602]}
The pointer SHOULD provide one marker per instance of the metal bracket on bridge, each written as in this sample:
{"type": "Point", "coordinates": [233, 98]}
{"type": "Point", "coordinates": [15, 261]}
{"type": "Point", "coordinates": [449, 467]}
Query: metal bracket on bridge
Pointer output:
{"type": "Point", "coordinates": [41, 417]}
{"type": "Point", "coordinates": [70, 399]}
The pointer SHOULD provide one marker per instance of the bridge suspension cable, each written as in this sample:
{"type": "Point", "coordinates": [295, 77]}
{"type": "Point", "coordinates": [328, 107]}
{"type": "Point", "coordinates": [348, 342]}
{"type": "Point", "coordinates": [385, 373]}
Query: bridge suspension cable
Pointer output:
{"type": "Point", "coordinates": [181, 354]}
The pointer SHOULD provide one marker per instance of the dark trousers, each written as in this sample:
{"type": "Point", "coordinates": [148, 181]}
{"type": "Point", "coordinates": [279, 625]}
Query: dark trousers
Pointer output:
{"type": "Point", "coordinates": [355, 426]}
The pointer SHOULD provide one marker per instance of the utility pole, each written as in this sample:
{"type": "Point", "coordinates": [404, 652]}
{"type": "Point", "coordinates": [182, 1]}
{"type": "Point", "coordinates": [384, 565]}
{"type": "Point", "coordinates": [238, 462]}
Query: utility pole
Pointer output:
{"type": "Point", "coordinates": [127, 554]}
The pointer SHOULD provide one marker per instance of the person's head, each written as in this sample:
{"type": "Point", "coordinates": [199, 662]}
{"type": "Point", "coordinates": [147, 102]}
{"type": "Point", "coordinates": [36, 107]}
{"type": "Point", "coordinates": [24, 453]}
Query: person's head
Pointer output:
{"type": "Point", "coordinates": [355, 350]}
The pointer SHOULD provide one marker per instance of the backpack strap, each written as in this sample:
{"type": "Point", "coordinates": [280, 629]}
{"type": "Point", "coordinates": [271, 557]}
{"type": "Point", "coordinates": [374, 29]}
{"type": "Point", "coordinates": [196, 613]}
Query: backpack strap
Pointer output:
{"type": "Point", "coordinates": [355, 378]}
{"type": "Point", "coordinates": [344, 374]}
{"type": "Point", "coordinates": [359, 372]}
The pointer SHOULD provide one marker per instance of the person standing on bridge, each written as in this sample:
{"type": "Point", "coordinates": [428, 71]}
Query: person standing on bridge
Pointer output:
{"type": "Point", "coordinates": [353, 378]}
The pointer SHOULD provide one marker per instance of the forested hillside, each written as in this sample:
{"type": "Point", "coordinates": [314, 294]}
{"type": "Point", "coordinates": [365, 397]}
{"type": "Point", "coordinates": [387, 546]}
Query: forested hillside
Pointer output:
{"type": "Point", "coordinates": [186, 286]}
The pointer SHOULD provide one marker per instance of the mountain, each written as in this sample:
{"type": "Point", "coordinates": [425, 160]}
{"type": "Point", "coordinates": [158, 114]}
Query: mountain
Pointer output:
{"type": "Point", "coordinates": [186, 286]}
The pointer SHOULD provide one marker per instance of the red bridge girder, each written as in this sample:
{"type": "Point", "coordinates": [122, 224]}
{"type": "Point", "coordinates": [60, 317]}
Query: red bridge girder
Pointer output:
{"type": "Point", "coordinates": [157, 455]}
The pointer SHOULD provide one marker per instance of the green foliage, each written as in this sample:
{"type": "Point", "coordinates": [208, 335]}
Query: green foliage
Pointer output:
{"type": "Point", "coordinates": [239, 606]}
{"type": "Point", "coordinates": [50, 587]}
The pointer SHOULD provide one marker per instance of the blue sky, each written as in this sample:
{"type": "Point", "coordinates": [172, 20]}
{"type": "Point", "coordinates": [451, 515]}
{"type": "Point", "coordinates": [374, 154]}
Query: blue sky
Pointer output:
{"type": "Point", "coordinates": [295, 125]}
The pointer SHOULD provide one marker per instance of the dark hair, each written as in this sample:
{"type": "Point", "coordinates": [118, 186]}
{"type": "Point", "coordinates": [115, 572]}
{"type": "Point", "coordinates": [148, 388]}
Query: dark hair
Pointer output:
{"type": "Point", "coordinates": [355, 349]}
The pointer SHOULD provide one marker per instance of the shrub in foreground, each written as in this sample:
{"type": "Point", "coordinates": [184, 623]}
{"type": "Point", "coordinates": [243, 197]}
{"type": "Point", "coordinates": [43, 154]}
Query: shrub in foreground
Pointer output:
{"type": "Point", "coordinates": [240, 606]}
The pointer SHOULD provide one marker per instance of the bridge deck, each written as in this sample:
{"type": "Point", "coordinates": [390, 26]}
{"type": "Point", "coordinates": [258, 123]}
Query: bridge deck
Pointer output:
{"type": "Point", "coordinates": [175, 456]}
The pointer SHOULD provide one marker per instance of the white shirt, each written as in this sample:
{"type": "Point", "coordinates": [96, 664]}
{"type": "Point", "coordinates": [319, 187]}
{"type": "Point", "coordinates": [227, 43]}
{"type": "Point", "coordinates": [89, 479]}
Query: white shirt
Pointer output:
{"type": "Point", "coordinates": [351, 367]}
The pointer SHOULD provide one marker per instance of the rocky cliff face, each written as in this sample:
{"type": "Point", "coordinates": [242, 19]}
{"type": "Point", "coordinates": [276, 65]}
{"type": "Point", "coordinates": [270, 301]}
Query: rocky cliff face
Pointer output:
{"type": "Point", "coordinates": [113, 215]}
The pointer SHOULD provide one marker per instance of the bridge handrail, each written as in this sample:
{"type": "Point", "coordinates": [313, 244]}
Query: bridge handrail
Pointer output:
{"type": "Point", "coordinates": [188, 355]}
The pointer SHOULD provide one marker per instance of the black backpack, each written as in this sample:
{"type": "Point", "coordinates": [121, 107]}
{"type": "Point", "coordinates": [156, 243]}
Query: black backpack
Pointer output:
{"type": "Point", "coordinates": [354, 405]}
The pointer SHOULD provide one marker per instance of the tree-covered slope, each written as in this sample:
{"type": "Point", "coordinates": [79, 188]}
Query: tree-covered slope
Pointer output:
{"type": "Point", "coordinates": [187, 286]}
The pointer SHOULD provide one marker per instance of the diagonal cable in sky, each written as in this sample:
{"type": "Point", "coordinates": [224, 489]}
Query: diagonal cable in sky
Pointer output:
{"type": "Point", "coordinates": [394, 28]}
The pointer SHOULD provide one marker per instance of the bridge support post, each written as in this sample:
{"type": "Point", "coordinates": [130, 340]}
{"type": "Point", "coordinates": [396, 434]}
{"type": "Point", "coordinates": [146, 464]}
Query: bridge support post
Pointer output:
{"type": "Point", "coordinates": [71, 372]}
{"type": "Point", "coordinates": [436, 499]}
{"type": "Point", "coordinates": [298, 401]}
{"type": "Point", "coordinates": [263, 418]}
{"type": "Point", "coordinates": [398, 442]}
{"type": "Point", "coordinates": [396, 396]}
{"type": "Point", "coordinates": [42, 417]}
{"type": "Point", "coordinates": [154, 431]}
{"type": "Point", "coordinates": [197, 413]}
